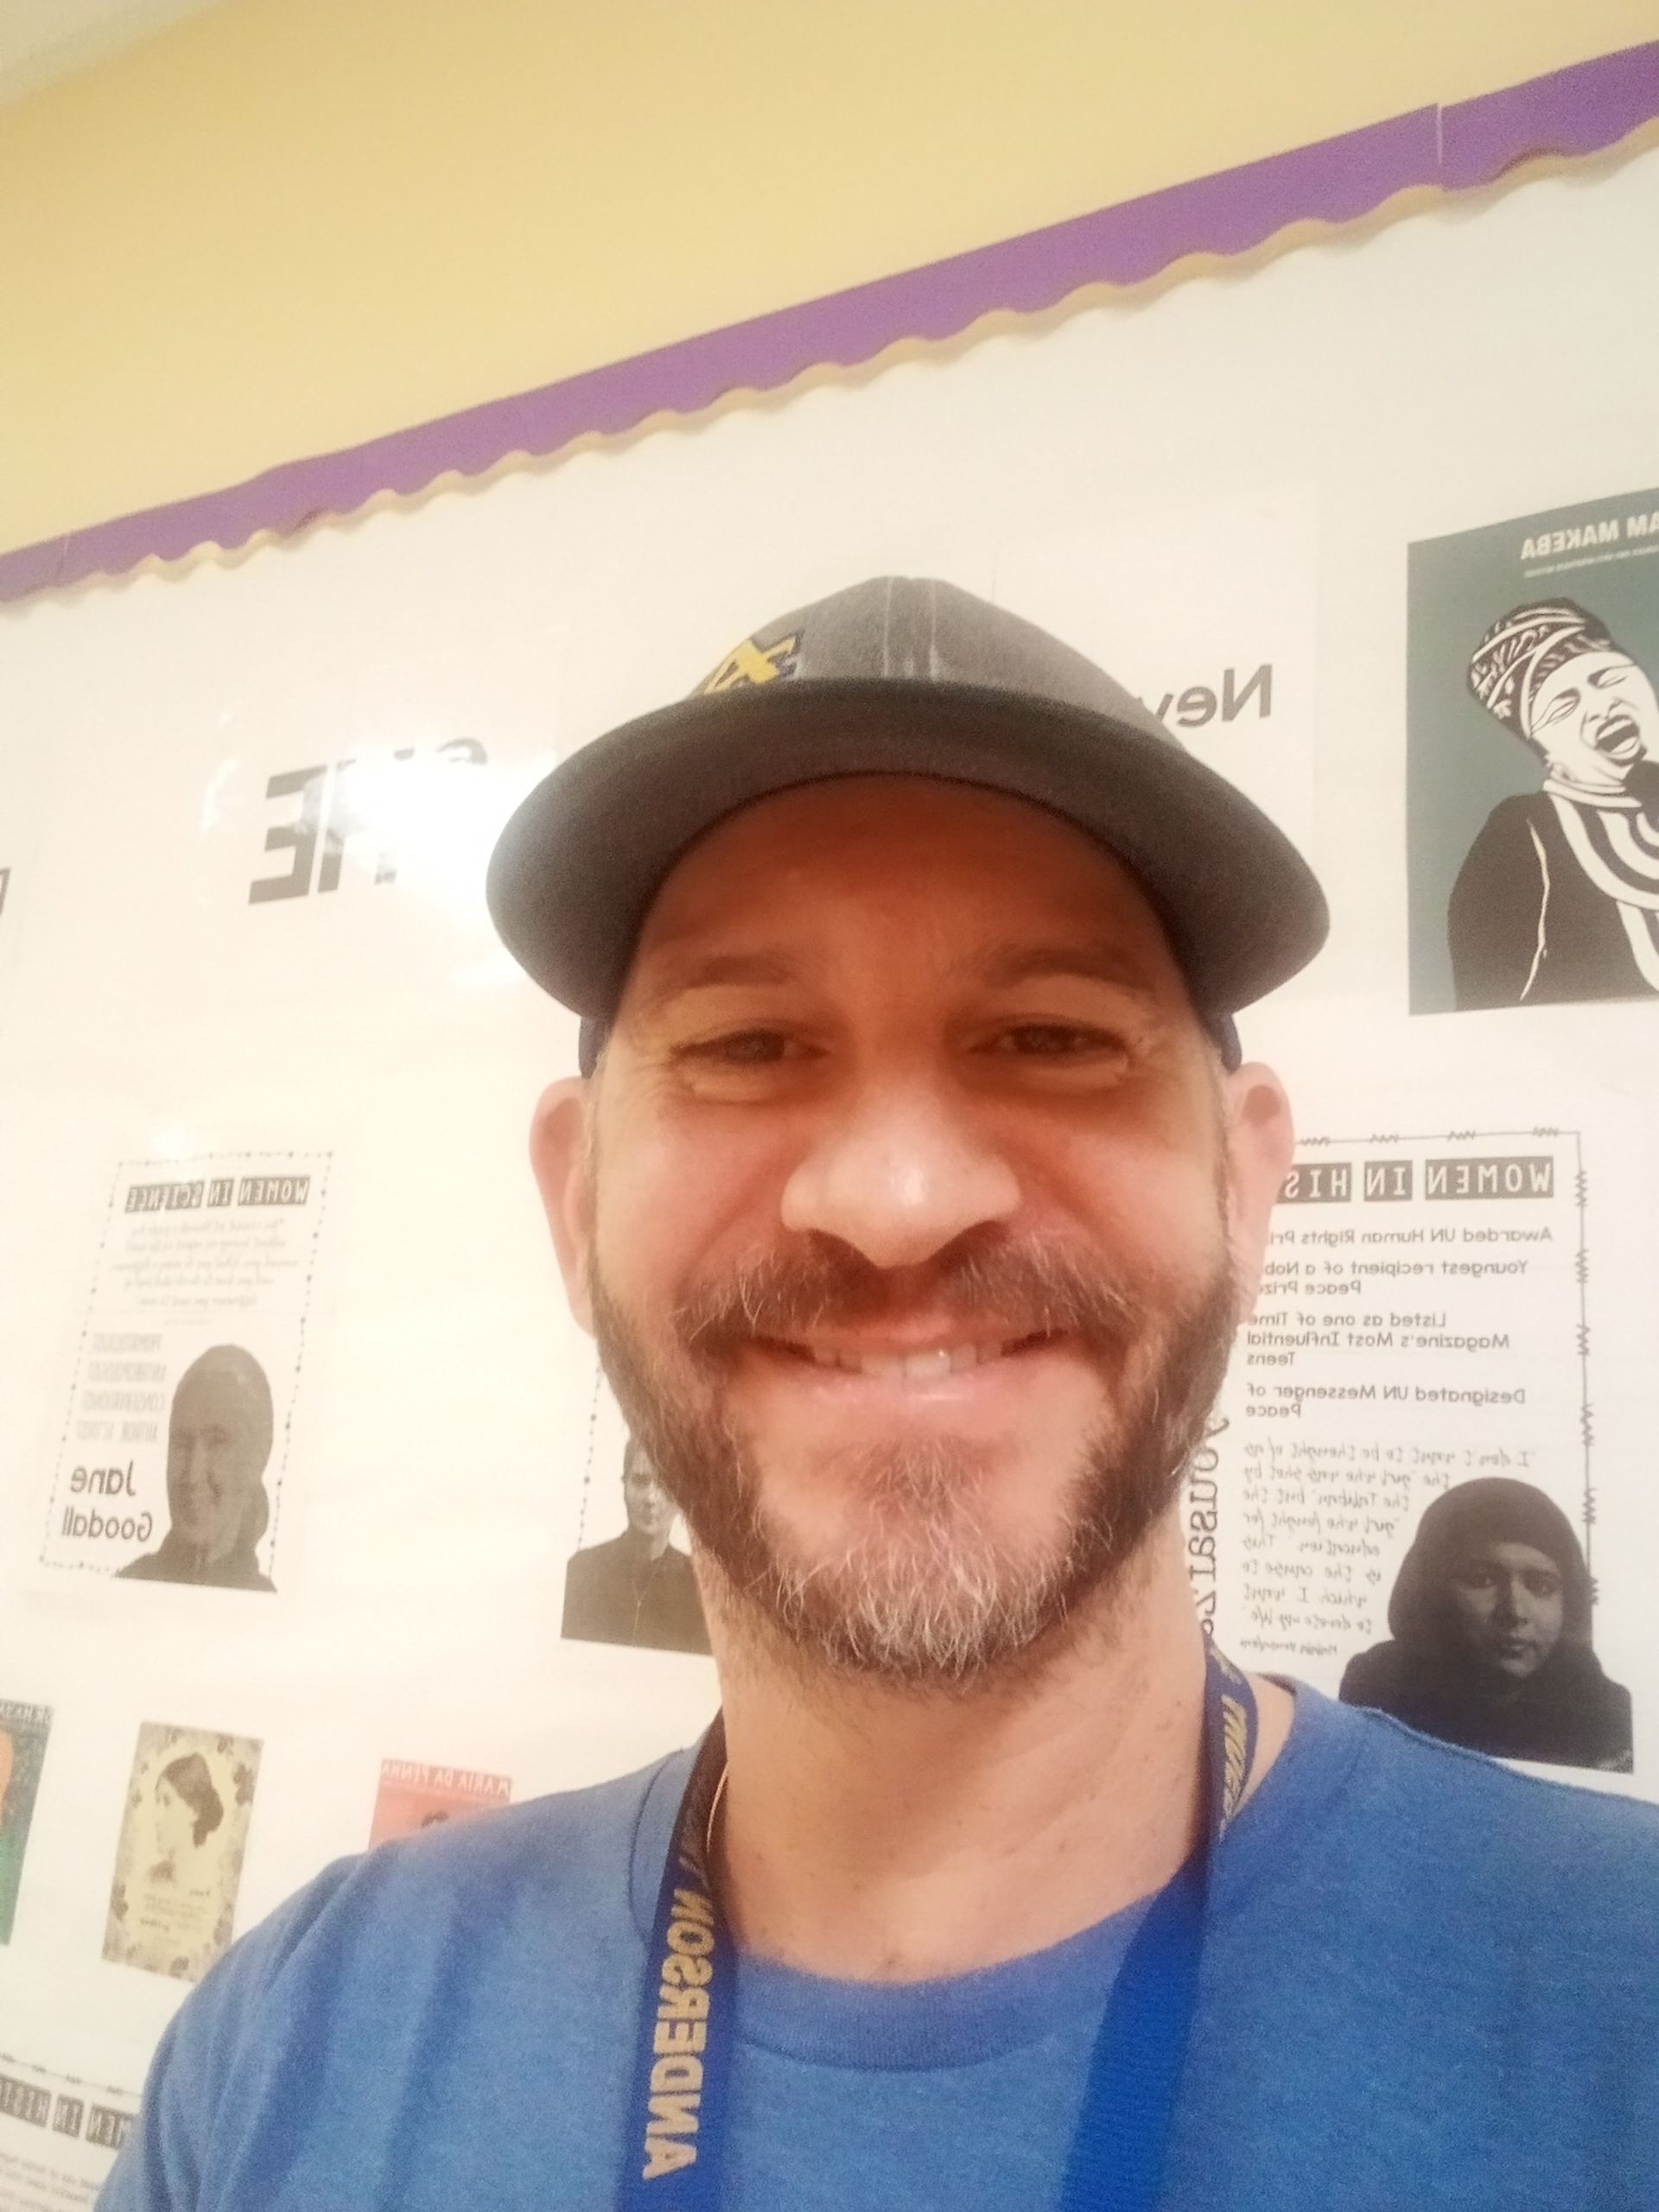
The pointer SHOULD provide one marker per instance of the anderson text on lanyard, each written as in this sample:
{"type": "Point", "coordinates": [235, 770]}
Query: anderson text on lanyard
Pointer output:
{"type": "Point", "coordinates": [677, 2119]}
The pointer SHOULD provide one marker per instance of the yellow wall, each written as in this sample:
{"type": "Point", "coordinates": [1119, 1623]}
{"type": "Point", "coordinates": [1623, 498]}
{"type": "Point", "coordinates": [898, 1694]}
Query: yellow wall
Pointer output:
{"type": "Point", "coordinates": [290, 224]}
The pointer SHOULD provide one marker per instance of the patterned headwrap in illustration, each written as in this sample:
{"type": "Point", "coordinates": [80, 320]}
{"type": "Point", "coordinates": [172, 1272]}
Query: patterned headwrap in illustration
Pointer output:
{"type": "Point", "coordinates": [1524, 646]}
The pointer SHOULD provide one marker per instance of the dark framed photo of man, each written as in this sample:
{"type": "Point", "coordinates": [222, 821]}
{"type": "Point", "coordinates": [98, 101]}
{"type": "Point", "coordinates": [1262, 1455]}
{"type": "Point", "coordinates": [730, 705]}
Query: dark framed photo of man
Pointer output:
{"type": "Point", "coordinates": [639, 1587]}
{"type": "Point", "coordinates": [1490, 1635]}
{"type": "Point", "coordinates": [1533, 760]}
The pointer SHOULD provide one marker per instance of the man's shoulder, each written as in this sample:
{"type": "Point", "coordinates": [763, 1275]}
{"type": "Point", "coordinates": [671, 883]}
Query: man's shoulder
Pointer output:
{"type": "Point", "coordinates": [566, 1857]}
{"type": "Point", "coordinates": [1451, 1829]}
{"type": "Point", "coordinates": [425, 1968]}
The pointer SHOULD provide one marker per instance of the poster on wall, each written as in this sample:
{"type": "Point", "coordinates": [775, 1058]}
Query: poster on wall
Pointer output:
{"type": "Point", "coordinates": [178, 1862]}
{"type": "Point", "coordinates": [24, 1731]}
{"type": "Point", "coordinates": [413, 1795]}
{"type": "Point", "coordinates": [1397, 1501]}
{"type": "Point", "coordinates": [192, 1356]}
{"type": "Point", "coordinates": [629, 1579]}
{"type": "Point", "coordinates": [59, 2131]}
{"type": "Point", "coordinates": [1534, 759]}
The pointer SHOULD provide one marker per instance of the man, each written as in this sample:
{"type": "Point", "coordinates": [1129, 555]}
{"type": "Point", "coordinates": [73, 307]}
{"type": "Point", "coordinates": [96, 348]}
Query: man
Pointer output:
{"type": "Point", "coordinates": [1558, 897]}
{"type": "Point", "coordinates": [218, 1440]}
{"type": "Point", "coordinates": [638, 1588]}
{"type": "Point", "coordinates": [913, 1190]}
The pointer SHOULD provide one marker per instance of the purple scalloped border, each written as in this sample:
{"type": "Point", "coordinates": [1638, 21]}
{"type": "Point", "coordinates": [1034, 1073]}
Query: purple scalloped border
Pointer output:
{"type": "Point", "coordinates": [1575, 111]}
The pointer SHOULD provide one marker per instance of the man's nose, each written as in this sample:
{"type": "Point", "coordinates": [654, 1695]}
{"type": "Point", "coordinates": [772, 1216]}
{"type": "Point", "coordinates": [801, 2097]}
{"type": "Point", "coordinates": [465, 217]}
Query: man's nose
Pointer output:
{"type": "Point", "coordinates": [898, 1177]}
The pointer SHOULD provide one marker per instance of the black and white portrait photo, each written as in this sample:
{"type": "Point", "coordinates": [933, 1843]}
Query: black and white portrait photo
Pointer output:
{"type": "Point", "coordinates": [640, 1587]}
{"type": "Point", "coordinates": [220, 1428]}
{"type": "Point", "coordinates": [1490, 1622]}
{"type": "Point", "coordinates": [1558, 897]}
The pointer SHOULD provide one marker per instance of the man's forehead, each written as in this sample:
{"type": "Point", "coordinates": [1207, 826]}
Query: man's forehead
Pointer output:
{"type": "Point", "coordinates": [869, 842]}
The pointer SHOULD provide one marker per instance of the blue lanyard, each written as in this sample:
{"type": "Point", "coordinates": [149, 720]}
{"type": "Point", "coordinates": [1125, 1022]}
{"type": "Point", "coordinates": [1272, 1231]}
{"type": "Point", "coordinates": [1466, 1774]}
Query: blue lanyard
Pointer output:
{"type": "Point", "coordinates": [677, 2118]}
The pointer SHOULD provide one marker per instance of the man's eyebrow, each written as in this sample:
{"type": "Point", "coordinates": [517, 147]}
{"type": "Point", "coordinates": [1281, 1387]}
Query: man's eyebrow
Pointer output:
{"type": "Point", "coordinates": [1004, 968]}
{"type": "Point", "coordinates": [1007, 966]}
{"type": "Point", "coordinates": [679, 973]}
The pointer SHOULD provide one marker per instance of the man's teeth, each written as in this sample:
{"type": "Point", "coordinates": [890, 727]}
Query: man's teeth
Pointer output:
{"type": "Point", "coordinates": [912, 1367]}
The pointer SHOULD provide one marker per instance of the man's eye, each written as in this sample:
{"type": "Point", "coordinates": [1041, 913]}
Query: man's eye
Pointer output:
{"type": "Point", "coordinates": [742, 1048]}
{"type": "Point", "coordinates": [1056, 1040]}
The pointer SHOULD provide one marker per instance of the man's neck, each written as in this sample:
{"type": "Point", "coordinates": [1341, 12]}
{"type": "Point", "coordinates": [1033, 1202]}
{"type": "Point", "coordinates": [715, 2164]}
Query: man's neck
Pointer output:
{"type": "Point", "coordinates": [877, 1833]}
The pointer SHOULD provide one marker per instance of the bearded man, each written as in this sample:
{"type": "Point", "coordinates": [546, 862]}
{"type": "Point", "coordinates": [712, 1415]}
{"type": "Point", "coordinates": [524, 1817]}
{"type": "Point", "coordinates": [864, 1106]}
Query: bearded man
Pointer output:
{"type": "Point", "coordinates": [913, 1187]}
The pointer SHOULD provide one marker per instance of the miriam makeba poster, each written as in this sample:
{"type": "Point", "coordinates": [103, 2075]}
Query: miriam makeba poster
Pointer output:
{"type": "Point", "coordinates": [1534, 759]}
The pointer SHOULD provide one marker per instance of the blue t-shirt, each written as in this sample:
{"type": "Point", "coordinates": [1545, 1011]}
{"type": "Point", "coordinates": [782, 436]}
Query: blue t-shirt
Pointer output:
{"type": "Point", "coordinates": [1428, 1982]}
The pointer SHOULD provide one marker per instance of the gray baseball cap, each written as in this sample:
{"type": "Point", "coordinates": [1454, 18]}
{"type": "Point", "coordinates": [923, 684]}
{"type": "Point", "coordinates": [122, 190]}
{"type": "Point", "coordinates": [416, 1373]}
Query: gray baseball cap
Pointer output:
{"type": "Point", "coordinates": [899, 677]}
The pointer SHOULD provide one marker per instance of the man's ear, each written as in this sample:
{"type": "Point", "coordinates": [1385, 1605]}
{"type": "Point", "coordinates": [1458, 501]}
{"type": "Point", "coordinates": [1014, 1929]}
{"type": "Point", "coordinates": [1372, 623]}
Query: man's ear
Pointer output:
{"type": "Point", "coordinates": [559, 1154]}
{"type": "Point", "coordinates": [1261, 1144]}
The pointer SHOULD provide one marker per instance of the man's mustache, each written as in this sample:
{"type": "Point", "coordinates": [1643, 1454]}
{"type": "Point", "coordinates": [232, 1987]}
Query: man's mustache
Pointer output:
{"type": "Point", "coordinates": [1028, 1288]}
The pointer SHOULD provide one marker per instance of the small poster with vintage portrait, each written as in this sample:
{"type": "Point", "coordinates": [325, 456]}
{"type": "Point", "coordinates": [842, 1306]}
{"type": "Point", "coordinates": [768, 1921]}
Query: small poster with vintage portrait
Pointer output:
{"type": "Point", "coordinates": [178, 1864]}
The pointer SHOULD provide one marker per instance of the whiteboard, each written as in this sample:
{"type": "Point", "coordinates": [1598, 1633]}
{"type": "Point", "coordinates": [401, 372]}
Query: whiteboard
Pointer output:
{"type": "Point", "coordinates": [1213, 491]}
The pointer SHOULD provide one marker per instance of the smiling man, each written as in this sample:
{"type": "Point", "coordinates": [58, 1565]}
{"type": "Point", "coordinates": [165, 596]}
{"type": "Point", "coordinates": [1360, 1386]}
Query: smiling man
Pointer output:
{"type": "Point", "coordinates": [918, 1351]}
{"type": "Point", "coordinates": [913, 1187]}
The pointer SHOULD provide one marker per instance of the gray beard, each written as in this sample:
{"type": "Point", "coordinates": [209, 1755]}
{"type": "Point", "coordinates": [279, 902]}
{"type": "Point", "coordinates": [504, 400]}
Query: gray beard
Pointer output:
{"type": "Point", "coordinates": [922, 1594]}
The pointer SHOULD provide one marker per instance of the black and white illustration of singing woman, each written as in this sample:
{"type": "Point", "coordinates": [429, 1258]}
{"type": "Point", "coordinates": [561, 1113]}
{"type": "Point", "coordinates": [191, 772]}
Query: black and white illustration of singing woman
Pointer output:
{"type": "Point", "coordinates": [1558, 899]}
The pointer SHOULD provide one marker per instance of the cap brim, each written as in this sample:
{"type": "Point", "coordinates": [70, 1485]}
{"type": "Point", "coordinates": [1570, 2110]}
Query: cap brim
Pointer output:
{"type": "Point", "coordinates": [575, 871]}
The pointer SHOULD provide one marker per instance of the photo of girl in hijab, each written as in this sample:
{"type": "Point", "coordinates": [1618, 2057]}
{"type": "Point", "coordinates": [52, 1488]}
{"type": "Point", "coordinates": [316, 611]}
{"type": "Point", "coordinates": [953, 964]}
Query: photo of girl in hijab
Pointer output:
{"type": "Point", "coordinates": [1490, 1649]}
{"type": "Point", "coordinates": [1558, 897]}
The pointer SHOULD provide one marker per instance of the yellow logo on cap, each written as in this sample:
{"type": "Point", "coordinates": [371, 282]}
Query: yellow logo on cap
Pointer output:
{"type": "Point", "coordinates": [753, 663]}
